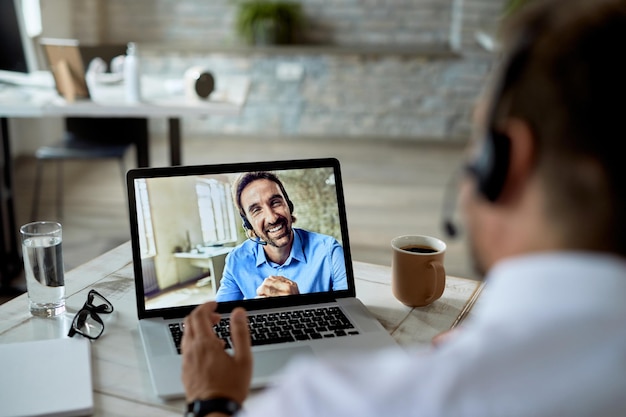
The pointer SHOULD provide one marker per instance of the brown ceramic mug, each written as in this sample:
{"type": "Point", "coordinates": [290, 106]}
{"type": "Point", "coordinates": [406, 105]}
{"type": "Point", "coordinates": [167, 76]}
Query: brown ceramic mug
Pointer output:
{"type": "Point", "coordinates": [417, 274]}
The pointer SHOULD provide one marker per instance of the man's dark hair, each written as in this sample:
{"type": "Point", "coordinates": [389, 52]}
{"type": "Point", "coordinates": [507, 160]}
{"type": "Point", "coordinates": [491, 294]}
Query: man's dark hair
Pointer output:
{"type": "Point", "coordinates": [570, 91]}
{"type": "Point", "coordinates": [245, 179]}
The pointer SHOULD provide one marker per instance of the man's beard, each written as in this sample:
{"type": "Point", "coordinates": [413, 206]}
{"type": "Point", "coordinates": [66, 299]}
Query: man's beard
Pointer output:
{"type": "Point", "coordinates": [285, 232]}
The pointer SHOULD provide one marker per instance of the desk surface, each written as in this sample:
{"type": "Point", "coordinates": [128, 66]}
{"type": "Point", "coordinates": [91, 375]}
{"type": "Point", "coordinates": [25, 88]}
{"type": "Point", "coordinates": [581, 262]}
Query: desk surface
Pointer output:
{"type": "Point", "coordinates": [159, 99]}
{"type": "Point", "coordinates": [121, 381]}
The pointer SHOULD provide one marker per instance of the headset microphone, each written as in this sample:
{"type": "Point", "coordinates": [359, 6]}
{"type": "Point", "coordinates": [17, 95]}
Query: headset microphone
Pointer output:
{"type": "Point", "coordinates": [450, 228]}
{"type": "Point", "coordinates": [258, 241]}
{"type": "Point", "coordinates": [449, 206]}
{"type": "Point", "coordinates": [247, 227]}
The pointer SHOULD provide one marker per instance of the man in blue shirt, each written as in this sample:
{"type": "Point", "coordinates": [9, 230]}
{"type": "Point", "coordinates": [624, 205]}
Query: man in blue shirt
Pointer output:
{"type": "Point", "coordinates": [277, 259]}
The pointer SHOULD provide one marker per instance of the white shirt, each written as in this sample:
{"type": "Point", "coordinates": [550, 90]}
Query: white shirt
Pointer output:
{"type": "Point", "coordinates": [548, 338]}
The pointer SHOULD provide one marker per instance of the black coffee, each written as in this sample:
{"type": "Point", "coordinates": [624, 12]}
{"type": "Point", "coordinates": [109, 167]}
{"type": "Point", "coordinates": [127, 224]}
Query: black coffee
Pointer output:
{"type": "Point", "coordinates": [419, 249]}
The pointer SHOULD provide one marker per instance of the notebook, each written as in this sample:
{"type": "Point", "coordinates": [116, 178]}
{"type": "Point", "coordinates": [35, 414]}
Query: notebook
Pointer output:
{"type": "Point", "coordinates": [46, 378]}
{"type": "Point", "coordinates": [191, 243]}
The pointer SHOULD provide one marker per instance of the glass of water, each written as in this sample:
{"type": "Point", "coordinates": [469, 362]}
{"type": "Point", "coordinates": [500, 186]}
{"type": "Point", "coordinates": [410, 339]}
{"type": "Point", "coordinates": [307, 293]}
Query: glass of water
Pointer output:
{"type": "Point", "coordinates": [43, 268]}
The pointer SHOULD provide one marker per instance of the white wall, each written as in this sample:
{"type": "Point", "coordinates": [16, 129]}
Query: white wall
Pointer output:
{"type": "Point", "coordinates": [56, 16]}
{"type": "Point", "coordinates": [28, 134]}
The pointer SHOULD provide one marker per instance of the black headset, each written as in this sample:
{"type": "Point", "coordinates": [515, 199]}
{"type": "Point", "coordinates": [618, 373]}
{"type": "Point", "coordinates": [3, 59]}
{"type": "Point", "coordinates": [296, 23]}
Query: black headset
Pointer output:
{"type": "Point", "coordinates": [491, 165]}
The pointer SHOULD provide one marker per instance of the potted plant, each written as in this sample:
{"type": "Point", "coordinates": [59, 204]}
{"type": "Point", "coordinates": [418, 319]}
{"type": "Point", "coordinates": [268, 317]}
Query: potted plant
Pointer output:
{"type": "Point", "coordinates": [262, 22]}
{"type": "Point", "coordinates": [514, 5]}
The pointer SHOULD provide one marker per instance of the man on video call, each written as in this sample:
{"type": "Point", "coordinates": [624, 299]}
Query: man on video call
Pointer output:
{"type": "Point", "coordinates": [544, 208]}
{"type": "Point", "coordinates": [277, 259]}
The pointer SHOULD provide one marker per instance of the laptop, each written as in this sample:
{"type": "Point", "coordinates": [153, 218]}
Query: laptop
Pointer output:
{"type": "Point", "coordinates": [189, 247]}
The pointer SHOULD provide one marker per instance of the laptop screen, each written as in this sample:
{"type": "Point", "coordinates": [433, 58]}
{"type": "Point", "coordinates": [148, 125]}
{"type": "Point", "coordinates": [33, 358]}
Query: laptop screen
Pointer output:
{"type": "Point", "coordinates": [253, 234]}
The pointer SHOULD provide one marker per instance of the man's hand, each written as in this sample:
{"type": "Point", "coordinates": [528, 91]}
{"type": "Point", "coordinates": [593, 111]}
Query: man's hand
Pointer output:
{"type": "Point", "coordinates": [208, 370]}
{"type": "Point", "coordinates": [443, 337]}
{"type": "Point", "coordinates": [275, 285]}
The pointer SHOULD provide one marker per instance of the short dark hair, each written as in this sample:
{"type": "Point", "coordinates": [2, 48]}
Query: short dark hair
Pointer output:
{"type": "Point", "coordinates": [569, 92]}
{"type": "Point", "coordinates": [245, 179]}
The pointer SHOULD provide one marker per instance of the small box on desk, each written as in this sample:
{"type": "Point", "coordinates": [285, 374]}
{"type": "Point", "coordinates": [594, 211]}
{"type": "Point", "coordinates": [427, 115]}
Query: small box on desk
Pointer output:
{"type": "Point", "coordinates": [46, 378]}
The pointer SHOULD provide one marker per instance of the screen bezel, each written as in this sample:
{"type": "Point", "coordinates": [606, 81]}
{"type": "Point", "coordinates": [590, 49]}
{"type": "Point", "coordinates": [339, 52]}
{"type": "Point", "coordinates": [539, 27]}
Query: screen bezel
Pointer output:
{"type": "Point", "coordinates": [251, 305]}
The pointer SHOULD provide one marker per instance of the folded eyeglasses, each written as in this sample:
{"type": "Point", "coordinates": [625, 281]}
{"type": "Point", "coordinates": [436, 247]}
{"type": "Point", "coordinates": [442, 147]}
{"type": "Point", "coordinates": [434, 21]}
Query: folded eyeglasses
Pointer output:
{"type": "Point", "coordinates": [87, 321]}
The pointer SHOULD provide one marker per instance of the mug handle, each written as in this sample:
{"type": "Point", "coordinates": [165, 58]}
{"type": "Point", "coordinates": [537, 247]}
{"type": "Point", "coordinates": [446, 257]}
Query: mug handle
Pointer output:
{"type": "Point", "coordinates": [440, 281]}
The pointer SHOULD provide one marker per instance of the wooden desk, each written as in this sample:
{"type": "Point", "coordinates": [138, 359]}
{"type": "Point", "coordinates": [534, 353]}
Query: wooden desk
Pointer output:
{"type": "Point", "coordinates": [121, 381]}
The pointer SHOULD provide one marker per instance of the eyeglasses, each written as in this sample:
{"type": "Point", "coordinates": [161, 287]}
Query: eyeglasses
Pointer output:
{"type": "Point", "coordinates": [87, 321]}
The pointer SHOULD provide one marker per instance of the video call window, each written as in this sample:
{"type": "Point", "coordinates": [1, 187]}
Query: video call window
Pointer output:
{"type": "Point", "coordinates": [187, 226]}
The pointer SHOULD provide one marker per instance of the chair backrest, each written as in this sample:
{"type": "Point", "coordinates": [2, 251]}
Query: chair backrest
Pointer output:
{"type": "Point", "coordinates": [113, 131]}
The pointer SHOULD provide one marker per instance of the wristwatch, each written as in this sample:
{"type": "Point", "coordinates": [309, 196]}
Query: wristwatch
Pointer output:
{"type": "Point", "coordinates": [200, 408]}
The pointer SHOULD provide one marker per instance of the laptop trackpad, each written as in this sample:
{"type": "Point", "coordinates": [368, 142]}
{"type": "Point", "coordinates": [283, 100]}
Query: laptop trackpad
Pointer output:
{"type": "Point", "coordinates": [267, 363]}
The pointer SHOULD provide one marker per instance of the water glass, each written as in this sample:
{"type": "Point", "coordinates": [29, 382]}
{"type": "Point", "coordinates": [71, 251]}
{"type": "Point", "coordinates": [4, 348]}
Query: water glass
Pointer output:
{"type": "Point", "coordinates": [43, 267]}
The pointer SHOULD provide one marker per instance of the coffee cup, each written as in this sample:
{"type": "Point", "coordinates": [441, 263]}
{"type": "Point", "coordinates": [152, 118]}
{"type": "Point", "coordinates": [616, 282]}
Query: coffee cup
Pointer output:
{"type": "Point", "coordinates": [418, 277]}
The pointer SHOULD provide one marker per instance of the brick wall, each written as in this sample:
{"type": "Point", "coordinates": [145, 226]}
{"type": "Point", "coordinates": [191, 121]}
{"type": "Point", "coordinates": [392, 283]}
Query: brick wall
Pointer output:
{"type": "Point", "coordinates": [412, 97]}
{"type": "Point", "coordinates": [327, 21]}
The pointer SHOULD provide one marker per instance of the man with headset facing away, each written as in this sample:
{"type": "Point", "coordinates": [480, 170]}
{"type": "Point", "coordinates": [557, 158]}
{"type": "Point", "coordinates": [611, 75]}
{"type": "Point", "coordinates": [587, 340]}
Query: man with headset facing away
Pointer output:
{"type": "Point", "coordinates": [277, 259]}
{"type": "Point", "coordinates": [544, 206]}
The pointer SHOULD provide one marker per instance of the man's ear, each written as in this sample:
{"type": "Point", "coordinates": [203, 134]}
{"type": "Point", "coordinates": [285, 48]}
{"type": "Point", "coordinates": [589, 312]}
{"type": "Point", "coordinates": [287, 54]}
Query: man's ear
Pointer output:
{"type": "Point", "coordinates": [250, 234]}
{"type": "Point", "coordinates": [521, 157]}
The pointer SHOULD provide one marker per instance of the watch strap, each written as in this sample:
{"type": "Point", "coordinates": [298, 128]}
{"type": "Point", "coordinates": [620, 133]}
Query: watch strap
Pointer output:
{"type": "Point", "coordinates": [200, 408]}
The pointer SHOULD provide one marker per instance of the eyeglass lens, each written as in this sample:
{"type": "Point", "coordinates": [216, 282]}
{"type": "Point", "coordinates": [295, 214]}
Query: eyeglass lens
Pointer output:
{"type": "Point", "coordinates": [98, 303]}
{"type": "Point", "coordinates": [87, 322]}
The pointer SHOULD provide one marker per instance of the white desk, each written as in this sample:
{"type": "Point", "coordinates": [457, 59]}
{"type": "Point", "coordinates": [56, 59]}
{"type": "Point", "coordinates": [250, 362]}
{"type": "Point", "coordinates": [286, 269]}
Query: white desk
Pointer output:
{"type": "Point", "coordinates": [211, 259]}
{"type": "Point", "coordinates": [158, 101]}
{"type": "Point", "coordinates": [121, 381]}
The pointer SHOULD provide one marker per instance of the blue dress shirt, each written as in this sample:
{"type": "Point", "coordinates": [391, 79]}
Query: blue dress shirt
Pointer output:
{"type": "Point", "coordinates": [316, 263]}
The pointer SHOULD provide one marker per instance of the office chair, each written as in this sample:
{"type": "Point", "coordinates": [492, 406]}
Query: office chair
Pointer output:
{"type": "Point", "coordinates": [88, 139]}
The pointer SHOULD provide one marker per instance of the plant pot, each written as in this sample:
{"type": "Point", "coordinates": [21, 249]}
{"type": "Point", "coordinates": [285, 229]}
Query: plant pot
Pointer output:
{"type": "Point", "coordinates": [265, 32]}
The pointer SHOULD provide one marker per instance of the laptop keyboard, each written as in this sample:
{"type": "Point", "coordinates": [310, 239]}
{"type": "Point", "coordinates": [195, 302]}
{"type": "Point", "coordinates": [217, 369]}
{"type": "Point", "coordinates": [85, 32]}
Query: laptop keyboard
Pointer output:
{"type": "Point", "coordinates": [283, 327]}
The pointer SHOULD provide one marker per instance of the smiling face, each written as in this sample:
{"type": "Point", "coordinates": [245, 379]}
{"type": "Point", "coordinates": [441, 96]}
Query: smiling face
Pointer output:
{"type": "Point", "coordinates": [267, 211]}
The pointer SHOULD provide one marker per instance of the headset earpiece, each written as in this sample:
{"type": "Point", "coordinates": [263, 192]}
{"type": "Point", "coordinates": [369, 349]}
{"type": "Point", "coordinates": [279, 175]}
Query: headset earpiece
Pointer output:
{"type": "Point", "coordinates": [491, 166]}
{"type": "Point", "coordinates": [245, 223]}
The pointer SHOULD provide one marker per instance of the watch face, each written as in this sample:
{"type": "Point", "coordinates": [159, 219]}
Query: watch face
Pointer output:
{"type": "Point", "coordinates": [200, 408]}
{"type": "Point", "coordinates": [204, 85]}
